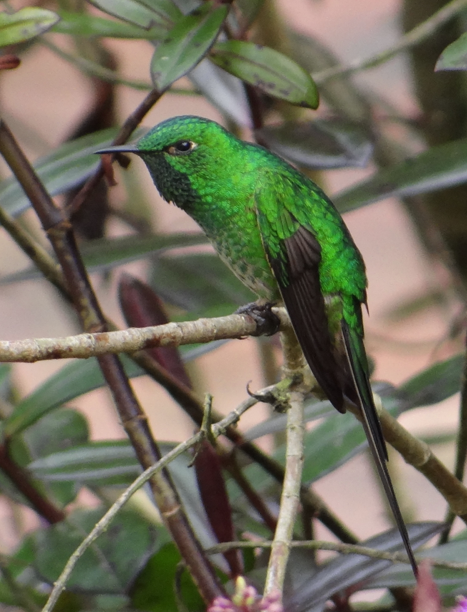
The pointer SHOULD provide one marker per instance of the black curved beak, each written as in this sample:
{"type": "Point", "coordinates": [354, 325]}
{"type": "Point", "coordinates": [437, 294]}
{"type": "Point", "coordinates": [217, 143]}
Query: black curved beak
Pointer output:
{"type": "Point", "coordinates": [126, 148]}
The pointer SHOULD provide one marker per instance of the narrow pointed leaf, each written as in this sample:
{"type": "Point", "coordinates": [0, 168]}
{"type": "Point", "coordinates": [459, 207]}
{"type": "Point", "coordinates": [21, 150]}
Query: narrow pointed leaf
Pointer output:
{"type": "Point", "coordinates": [62, 429]}
{"type": "Point", "coordinates": [85, 24]}
{"type": "Point", "coordinates": [440, 167]}
{"type": "Point", "coordinates": [435, 384]}
{"type": "Point", "coordinates": [25, 24]}
{"type": "Point", "coordinates": [200, 283]}
{"type": "Point", "coordinates": [320, 144]}
{"type": "Point", "coordinates": [146, 592]}
{"type": "Point", "coordinates": [186, 44]}
{"type": "Point", "coordinates": [143, 13]}
{"type": "Point", "coordinates": [348, 570]}
{"type": "Point", "coordinates": [110, 565]}
{"type": "Point", "coordinates": [450, 581]}
{"type": "Point", "coordinates": [71, 381]}
{"type": "Point", "coordinates": [105, 254]}
{"type": "Point", "coordinates": [454, 57]}
{"type": "Point", "coordinates": [268, 70]}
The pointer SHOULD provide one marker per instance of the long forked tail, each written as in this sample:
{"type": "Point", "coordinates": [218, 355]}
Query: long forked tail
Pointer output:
{"type": "Point", "coordinates": [356, 357]}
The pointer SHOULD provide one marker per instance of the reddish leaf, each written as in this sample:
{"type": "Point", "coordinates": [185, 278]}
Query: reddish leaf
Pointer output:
{"type": "Point", "coordinates": [216, 502]}
{"type": "Point", "coordinates": [142, 308]}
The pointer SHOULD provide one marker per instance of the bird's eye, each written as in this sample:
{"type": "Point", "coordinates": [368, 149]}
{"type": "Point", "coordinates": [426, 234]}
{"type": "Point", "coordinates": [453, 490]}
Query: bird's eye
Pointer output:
{"type": "Point", "coordinates": [181, 147]}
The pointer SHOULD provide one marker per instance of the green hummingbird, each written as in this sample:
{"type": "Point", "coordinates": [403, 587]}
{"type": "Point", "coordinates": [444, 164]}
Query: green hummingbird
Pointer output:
{"type": "Point", "coordinates": [284, 239]}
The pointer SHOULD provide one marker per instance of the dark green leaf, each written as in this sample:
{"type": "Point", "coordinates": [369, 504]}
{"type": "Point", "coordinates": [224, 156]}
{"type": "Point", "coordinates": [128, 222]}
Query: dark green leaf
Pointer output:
{"type": "Point", "coordinates": [435, 384]}
{"type": "Point", "coordinates": [5, 372]}
{"type": "Point", "coordinates": [159, 595]}
{"type": "Point", "coordinates": [186, 44]}
{"type": "Point", "coordinates": [94, 464]}
{"type": "Point", "coordinates": [347, 571]}
{"type": "Point", "coordinates": [101, 255]}
{"type": "Point", "coordinates": [110, 565]}
{"type": "Point", "coordinates": [199, 283]}
{"type": "Point", "coordinates": [278, 422]}
{"type": "Point", "coordinates": [25, 24]}
{"type": "Point", "coordinates": [143, 13]}
{"type": "Point", "coordinates": [267, 69]}
{"type": "Point", "coordinates": [440, 167]}
{"type": "Point", "coordinates": [334, 442]}
{"type": "Point", "coordinates": [331, 444]}
{"type": "Point", "coordinates": [322, 144]}
{"type": "Point", "coordinates": [67, 167]}
{"type": "Point", "coordinates": [90, 26]}
{"type": "Point", "coordinates": [450, 582]}
{"type": "Point", "coordinates": [105, 254]}
{"type": "Point", "coordinates": [56, 432]}
{"type": "Point", "coordinates": [71, 381]}
{"type": "Point", "coordinates": [454, 57]}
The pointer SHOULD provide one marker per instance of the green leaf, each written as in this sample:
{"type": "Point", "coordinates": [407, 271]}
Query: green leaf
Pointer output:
{"type": "Point", "coordinates": [439, 167]}
{"type": "Point", "coordinates": [454, 57]}
{"type": "Point", "coordinates": [322, 144]}
{"type": "Point", "coordinates": [67, 167]}
{"type": "Point", "coordinates": [5, 373]}
{"type": "Point", "coordinates": [186, 44]}
{"type": "Point", "coordinates": [268, 70]}
{"type": "Point", "coordinates": [101, 255]}
{"type": "Point", "coordinates": [159, 595]}
{"type": "Point", "coordinates": [94, 464]}
{"type": "Point", "coordinates": [110, 565]}
{"type": "Point", "coordinates": [200, 283]}
{"type": "Point", "coordinates": [435, 384]}
{"type": "Point", "coordinates": [105, 254]}
{"type": "Point", "coordinates": [55, 432]}
{"type": "Point", "coordinates": [90, 26]}
{"type": "Point", "coordinates": [143, 13]}
{"type": "Point", "coordinates": [25, 24]}
{"type": "Point", "coordinates": [71, 381]}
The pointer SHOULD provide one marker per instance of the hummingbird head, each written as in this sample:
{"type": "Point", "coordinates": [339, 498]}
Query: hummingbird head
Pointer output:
{"type": "Point", "coordinates": [184, 155]}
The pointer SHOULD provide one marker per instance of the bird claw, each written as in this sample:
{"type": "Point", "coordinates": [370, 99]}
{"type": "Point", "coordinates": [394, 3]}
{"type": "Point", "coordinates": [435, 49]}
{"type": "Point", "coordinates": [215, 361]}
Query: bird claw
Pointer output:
{"type": "Point", "coordinates": [267, 322]}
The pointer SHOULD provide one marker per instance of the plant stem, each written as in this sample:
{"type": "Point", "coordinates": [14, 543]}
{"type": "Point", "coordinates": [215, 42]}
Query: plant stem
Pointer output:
{"type": "Point", "coordinates": [414, 37]}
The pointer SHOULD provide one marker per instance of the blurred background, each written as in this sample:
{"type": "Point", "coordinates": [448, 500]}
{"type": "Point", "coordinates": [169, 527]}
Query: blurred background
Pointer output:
{"type": "Point", "coordinates": [415, 311]}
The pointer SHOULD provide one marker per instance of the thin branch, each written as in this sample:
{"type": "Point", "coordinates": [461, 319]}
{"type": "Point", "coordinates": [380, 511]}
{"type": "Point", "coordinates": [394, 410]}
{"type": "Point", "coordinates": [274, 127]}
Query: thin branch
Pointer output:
{"type": "Point", "coordinates": [35, 251]}
{"type": "Point", "coordinates": [125, 132]}
{"type": "Point", "coordinates": [294, 366]}
{"type": "Point", "coordinates": [414, 37]}
{"type": "Point", "coordinates": [104, 522]}
{"type": "Point", "coordinates": [22, 481]}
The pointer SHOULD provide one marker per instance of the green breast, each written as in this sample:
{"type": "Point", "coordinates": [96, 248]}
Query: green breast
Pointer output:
{"type": "Point", "coordinates": [235, 235]}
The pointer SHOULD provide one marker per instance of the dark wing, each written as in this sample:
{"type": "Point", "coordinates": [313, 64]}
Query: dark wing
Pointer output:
{"type": "Point", "coordinates": [295, 265]}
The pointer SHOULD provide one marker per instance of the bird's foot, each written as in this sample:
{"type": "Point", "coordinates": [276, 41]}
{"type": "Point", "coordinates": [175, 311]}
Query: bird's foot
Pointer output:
{"type": "Point", "coordinates": [267, 322]}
